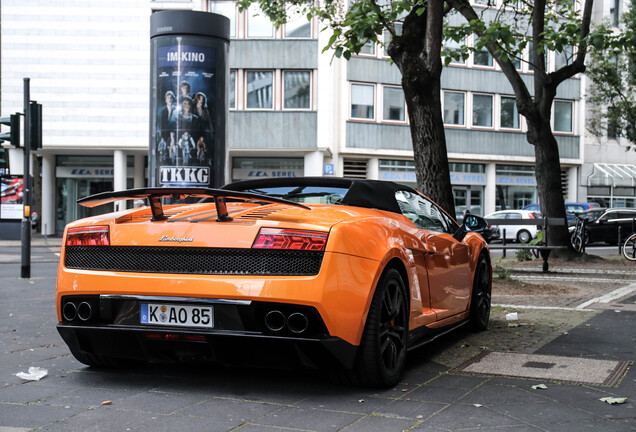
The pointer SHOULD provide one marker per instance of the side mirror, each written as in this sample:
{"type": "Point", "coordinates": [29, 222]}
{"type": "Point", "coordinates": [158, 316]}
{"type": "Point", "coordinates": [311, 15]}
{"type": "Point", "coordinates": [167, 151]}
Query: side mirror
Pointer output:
{"type": "Point", "coordinates": [471, 223]}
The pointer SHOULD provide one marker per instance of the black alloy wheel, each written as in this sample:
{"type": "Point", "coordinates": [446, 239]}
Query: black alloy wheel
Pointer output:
{"type": "Point", "coordinates": [481, 296]}
{"type": "Point", "coordinates": [384, 342]}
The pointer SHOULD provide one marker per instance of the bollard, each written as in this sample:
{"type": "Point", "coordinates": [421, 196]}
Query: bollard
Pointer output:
{"type": "Point", "coordinates": [504, 242]}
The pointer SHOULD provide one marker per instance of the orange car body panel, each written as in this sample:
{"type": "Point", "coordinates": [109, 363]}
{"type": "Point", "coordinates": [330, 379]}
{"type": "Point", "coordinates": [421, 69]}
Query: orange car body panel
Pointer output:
{"type": "Point", "coordinates": [361, 243]}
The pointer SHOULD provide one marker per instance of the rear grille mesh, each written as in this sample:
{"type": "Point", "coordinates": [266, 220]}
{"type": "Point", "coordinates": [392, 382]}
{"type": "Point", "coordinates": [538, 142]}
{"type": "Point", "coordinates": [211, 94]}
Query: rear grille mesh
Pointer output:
{"type": "Point", "coordinates": [194, 260]}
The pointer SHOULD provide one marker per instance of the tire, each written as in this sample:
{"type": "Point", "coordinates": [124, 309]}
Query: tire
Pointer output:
{"type": "Point", "coordinates": [383, 347]}
{"type": "Point", "coordinates": [524, 236]}
{"type": "Point", "coordinates": [105, 362]}
{"type": "Point", "coordinates": [629, 248]}
{"type": "Point", "coordinates": [480, 302]}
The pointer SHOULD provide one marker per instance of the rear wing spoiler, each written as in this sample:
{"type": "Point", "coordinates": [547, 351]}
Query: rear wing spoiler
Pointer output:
{"type": "Point", "coordinates": [154, 196]}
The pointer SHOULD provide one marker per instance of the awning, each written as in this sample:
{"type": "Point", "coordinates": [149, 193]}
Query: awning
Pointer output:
{"type": "Point", "coordinates": [612, 175]}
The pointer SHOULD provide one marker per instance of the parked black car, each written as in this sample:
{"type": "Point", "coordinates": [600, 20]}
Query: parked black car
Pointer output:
{"type": "Point", "coordinates": [492, 232]}
{"type": "Point", "coordinates": [602, 225]}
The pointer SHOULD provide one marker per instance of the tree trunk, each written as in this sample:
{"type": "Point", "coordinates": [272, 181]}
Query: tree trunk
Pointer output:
{"type": "Point", "coordinates": [549, 188]}
{"type": "Point", "coordinates": [429, 142]}
{"type": "Point", "coordinates": [417, 54]}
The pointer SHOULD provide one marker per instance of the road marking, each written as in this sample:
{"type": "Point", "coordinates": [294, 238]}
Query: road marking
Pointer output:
{"type": "Point", "coordinates": [610, 296]}
{"type": "Point", "coordinates": [569, 278]}
{"type": "Point", "coordinates": [511, 306]}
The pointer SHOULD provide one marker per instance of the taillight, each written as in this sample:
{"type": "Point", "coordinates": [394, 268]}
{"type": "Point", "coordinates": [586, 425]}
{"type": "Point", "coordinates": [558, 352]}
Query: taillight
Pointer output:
{"type": "Point", "coordinates": [530, 216]}
{"type": "Point", "coordinates": [88, 236]}
{"type": "Point", "coordinates": [276, 238]}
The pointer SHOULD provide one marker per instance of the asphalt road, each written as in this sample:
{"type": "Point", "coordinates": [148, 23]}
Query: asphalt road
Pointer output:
{"type": "Point", "coordinates": [204, 397]}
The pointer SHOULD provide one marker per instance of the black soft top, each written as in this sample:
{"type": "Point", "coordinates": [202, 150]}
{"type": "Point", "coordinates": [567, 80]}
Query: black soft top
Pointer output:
{"type": "Point", "coordinates": [374, 194]}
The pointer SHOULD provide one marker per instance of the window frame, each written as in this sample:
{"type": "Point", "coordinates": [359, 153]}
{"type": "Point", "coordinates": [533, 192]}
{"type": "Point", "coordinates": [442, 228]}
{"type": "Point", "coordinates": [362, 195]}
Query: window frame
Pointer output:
{"type": "Point", "coordinates": [375, 102]}
{"type": "Point", "coordinates": [248, 13]}
{"type": "Point", "coordinates": [454, 125]}
{"type": "Point", "coordinates": [384, 120]}
{"type": "Point", "coordinates": [246, 92]}
{"type": "Point", "coordinates": [492, 111]}
{"type": "Point", "coordinates": [311, 89]}
{"type": "Point", "coordinates": [519, 116]}
{"type": "Point", "coordinates": [572, 117]}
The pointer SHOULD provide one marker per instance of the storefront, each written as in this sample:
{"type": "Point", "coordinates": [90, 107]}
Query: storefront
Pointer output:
{"type": "Point", "coordinates": [81, 176]}
{"type": "Point", "coordinates": [245, 168]}
{"type": "Point", "coordinates": [467, 179]}
{"type": "Point", "coordinates": [612, 185]}
{"type": "Point", "coordinates": [516, 186]}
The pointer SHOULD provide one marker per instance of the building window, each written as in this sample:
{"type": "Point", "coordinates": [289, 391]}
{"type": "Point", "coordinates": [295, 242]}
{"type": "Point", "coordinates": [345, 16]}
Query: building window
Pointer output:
{"type": "Point", "coordinates": [296, 89]}
{"type": "Point", "coordinates": [453, 108]}
{"type": "Point", "coordinates": [563, 58]}
{"type": "Point", "coordinates": [509, 115]}
{"type": "Point", "coordinates": [613, 126]}
{"type": "Point", "coordinates": [562, 116]}
{"type": "Point", "coordinates": [368, 48]}
{"type": "Point", "coordinates": [482, 58]}
{"type": "Point", "coordinates": [259, 89]}
{"type": "Point", "coordinates": [297, 25]}
{"type": "Point", "coordinates": [482, 110]}
{"type": "Point", "coordinates": [362, 101]}
{"type": "Point", "coordinates": [227, 9]}
{"type": "Point", "coordinates": [387, 36]}
{"type": "Point", "coordinates": [394, 106]}
{"type": "Point", "coordinates": [232, 92]}
{"type": "Point", "coordinates": [452, 46]}
{"type": "Point", "coordinates": [258, 24]}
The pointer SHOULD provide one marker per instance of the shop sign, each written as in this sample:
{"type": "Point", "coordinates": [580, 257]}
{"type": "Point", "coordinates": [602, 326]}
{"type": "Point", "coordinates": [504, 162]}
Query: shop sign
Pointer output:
{"type": "Point", "coordinates": [478, 179]}
{"type": "Point", "coordinates": [89, 172]}
{"type": "Point", "coordinates": [398, 176]}
{"type": "Point", "coordinates": [247, 173]}
{"type": "Point", "coordinates": [516, 181]}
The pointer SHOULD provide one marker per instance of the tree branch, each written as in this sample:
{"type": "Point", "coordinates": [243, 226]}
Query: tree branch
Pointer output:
{"type": "Point", "coordinates": [525, 104]}
{"type": "Point", "coordinates": [578, 65]}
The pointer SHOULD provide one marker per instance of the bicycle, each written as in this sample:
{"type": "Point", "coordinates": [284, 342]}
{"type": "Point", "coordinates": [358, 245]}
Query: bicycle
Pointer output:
{"type": "Point", "coordinates": [578, 235]}
{"type": "Point", "coordinates": [629, 247]}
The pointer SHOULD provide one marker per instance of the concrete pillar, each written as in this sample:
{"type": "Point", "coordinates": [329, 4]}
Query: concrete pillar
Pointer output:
{"type": "Point", "coordinates": [490, 191]}
{"type": "Point", "coordinates": [48, 195]}
{"type": "Point", "coordinates": [119, 176]}
{"type": "Point", "coordinates": [573, 185]}
{"type": "Point", "coordinates": [313, 163]}
{"type": "Point", "coordinates": [138, 181]}
{"type": "Point", "coordinates": [373, 169]}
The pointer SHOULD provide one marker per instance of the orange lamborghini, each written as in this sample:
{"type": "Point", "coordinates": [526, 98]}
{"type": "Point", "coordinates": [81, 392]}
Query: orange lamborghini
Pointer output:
{"type": "Point", "coordinates": [324, 272]}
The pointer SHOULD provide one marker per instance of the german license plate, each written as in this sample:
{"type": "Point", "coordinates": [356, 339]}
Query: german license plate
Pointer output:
{"type": "Point", "coordinates": [177, 315]}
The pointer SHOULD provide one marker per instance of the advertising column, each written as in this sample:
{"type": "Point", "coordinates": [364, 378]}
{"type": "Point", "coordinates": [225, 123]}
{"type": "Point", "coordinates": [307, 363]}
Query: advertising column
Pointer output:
{"type": "Point", "coordinates": [188, 99]}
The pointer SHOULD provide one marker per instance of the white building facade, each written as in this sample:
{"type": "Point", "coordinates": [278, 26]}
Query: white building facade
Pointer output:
{"type": "Point", "coordinates": [293, 109]}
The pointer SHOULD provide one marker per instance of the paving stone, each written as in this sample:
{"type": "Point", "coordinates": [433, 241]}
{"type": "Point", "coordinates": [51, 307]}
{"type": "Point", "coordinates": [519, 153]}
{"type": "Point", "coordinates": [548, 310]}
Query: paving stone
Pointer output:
{"type": "Point", "coordinates": [310, 419]}
{"type": "Point", "coordinates": [379, 424]}
{"type": "Point", "coordinates": [232, 410]}
{"type": "Point", "coordinates": [103, 418]}
{"type": "Point", "coordinates": [546, 414]}
{"type": "Point", "coordinates": [434, 393]}
{"type": "Point", "coordinates": [410, 409]}
{"type": "Point", "coordinates": [354, 402]}
{"type": "Point", "coordinates": [33, 416]}
{"type": "Point", "coordinates": [464, 416]}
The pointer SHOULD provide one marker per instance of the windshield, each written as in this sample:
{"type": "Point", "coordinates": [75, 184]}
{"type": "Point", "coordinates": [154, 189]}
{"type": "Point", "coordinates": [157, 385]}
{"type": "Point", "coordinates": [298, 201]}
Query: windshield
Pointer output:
{"type": "Point", "coordinates": [591, 215]}
{"type": "Point", "coordinates": [304, 194]}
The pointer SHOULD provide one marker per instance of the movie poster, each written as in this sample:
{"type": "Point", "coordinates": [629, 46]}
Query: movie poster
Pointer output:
{"type": "Point", "coordinates": [185, 130]}
{"type": "Point", "coordinates": [11, 204]}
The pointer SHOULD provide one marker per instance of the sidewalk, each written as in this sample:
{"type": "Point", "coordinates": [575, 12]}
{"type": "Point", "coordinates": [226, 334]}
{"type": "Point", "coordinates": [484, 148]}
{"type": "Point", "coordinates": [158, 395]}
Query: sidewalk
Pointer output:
{"type": "Point", "coordinates": [436, 394]}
